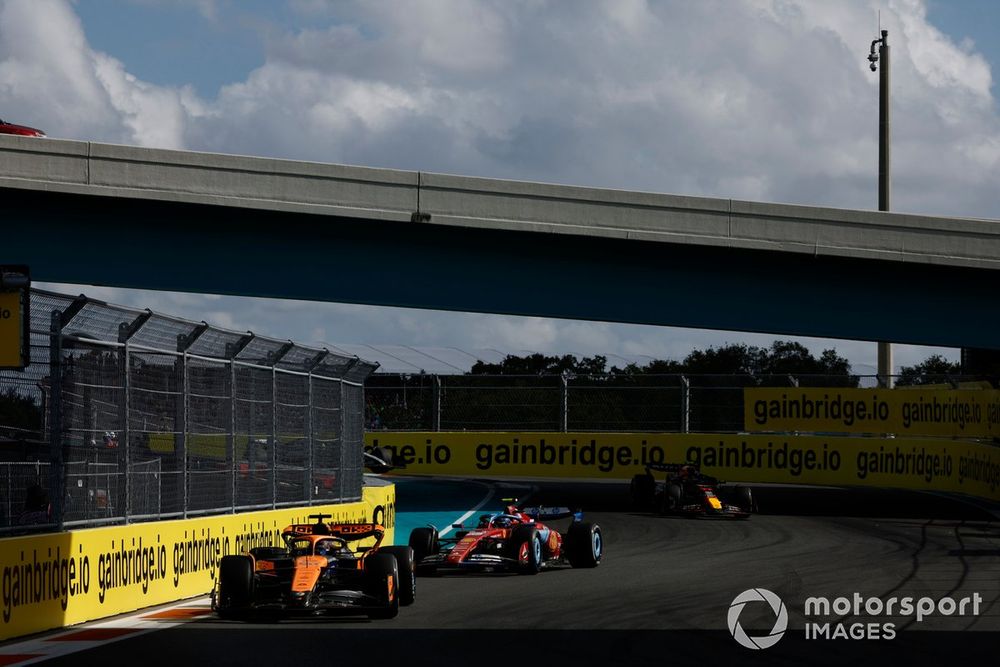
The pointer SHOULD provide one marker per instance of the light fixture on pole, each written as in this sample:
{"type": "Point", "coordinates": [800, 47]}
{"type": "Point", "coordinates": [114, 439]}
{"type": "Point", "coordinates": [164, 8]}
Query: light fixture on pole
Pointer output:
{"type": "Point", "coordinates": [880, 61]}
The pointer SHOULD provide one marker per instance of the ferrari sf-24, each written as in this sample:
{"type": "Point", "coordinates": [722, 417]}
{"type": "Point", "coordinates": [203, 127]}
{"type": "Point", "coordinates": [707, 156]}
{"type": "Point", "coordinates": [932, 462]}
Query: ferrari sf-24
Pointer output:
{"type": "Point", "coordinates": [513, 540]}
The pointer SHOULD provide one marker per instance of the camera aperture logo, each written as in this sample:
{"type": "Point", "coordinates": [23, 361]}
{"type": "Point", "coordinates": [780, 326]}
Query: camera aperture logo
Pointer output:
{"type": "Point", "coordinates": [855, 617]}
{"type": "Point", "coordinates": [780, 621]}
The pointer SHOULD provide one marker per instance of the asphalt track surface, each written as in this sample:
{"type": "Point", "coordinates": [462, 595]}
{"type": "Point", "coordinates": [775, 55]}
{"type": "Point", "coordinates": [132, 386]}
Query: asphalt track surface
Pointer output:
{"type": "Point", "coordinates": [661, 595]}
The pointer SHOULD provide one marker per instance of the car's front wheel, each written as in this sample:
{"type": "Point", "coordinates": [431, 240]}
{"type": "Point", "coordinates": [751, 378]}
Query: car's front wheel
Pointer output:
{"type": "Point", "coordinates": [407, 573]}
{"type": "Point", "coordinates": [525, 546]}
{"type": "Point", "coordinates": [585, 545]}
{"type": "Point", "coordinates": [642, 491]}
{"type": "Point", "coordinates": [235, 585]}
{"type": "Point", "coordinates": [382, 584]}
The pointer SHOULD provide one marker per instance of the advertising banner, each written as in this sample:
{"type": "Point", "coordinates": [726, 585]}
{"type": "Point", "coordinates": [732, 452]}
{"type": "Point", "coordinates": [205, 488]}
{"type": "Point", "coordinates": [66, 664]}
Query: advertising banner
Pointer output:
{"type": "Point", "coordinates": [913, 463]}
{"type": "Point", "coordinates": [55, 580]}
{"type": "Point", "coordinates": [972, 413]}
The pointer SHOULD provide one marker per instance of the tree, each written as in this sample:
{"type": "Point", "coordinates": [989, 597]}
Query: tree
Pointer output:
{"type": "Point", "coordinates": [539, 364]}
{"type": "Point", "coordinates": [933, 369]}
{"type": "Point", "coordinates": [20, 413]}
{"type": "Point", "coordinates": [782, 358]}
{"type": "Point", "coordinates": [726, 360]}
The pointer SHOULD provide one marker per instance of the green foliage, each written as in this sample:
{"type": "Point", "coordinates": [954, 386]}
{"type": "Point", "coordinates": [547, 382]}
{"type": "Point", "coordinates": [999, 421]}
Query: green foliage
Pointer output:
{"type": "Point", "coordinates": [782, 358]}
{"type": "Point", "coordinates": [19, 412]}
{"type": "Point", "coordinates": [932, 370]}
{"type": "Point", "coordinates": [540, 364]}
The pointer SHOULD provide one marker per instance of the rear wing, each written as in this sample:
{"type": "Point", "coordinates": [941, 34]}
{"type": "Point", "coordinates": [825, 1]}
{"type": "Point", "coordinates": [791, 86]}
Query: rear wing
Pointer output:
{"type": "Point", "coordinates": [349, 532]}
{"type": "Point", "coordinates": [669, 467]}
{"type": "Point", "coordinates": [552, 513]}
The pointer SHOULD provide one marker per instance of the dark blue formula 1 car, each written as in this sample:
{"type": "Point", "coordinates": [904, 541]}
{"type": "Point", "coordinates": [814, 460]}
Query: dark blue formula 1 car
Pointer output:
{"type": "Point", "coordinates": [686, 491]}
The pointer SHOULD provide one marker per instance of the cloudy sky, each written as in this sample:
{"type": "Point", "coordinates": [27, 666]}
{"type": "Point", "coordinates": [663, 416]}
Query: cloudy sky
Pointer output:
{"type": "Point", "coordinates": [768, 100]}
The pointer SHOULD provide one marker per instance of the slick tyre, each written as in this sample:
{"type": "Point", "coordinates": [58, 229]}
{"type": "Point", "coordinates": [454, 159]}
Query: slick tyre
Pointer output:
{"type": "Point", "coordinates": [525, 541]}
{"type": "Point", "coordinates": [382, 584]}
{"type": "Point", "coordinates": [407, 573]}
{"type": "Point", "coordinates": [585, 545]}
{"type": "Point", "coordinates": [642, 491]}
{"type": "Point", "coordinates": [671, 500]}
{"type": "Point", "coordinates": [424, 542]}
{"type": "Point", "coordinates": [235, 585]}
{"type": "Point", "coordinates": [744, 499]}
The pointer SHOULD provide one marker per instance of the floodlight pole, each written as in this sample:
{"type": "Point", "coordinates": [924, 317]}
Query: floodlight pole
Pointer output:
{"type": "Point", "coordinates": [882, 58]}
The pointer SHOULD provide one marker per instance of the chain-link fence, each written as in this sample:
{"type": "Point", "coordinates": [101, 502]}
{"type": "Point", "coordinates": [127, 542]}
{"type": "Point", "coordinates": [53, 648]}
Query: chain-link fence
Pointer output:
{"type": "Point", "coordinates": [613, 402]}
{"type": "Point", "coordinates": [127, 415]}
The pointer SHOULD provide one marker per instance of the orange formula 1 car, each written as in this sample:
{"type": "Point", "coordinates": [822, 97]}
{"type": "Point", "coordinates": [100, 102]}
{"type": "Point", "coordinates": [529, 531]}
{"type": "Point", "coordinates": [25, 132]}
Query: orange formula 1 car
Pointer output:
{"type": "Point", "coordinates": [318, 571]}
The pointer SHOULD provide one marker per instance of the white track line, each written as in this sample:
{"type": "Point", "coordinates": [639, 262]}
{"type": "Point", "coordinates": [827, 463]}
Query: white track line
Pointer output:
{"type": "Point", "coordinates": [489, 496]}
{"type": "Point", "coordinates": [490, 492]}
{"type": "Point", "coordinates": [50, 645]}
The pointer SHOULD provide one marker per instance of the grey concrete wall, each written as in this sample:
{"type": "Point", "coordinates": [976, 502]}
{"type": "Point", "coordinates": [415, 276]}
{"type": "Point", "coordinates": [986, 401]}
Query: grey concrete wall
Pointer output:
{"type": "Point", "coordinates": [464, 202]}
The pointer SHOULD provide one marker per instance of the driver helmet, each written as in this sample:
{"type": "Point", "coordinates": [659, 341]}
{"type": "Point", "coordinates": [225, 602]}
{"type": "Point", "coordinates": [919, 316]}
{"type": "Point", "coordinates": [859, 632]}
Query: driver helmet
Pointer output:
{"type": "Point", "coordinates": [502, 521]}
{"type": "Point", "coordinates": [324, 548]}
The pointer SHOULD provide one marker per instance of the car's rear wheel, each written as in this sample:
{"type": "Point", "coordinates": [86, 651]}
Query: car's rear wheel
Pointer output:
{"type": "Point", "coordinates": [235, 585]}
{"type": "Point", "coordinates": [642, 491]}
{"type": "Point", "coordinates": [382, 584]}
{"type": "Point", "coordinates": [585, 546]}
{"type": "Point", "coordinates": [424, 542]}
{"type": "Point", "coordinates": [407, 573]}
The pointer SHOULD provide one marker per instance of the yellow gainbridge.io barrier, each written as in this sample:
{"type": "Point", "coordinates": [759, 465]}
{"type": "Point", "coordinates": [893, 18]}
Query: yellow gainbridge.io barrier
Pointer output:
{"type": "Point", "coordinates": [60, 579]}
{"type": "Point", "coordinates": [973, 413]}
{"type": "Point", "coordinates": [956, 466]}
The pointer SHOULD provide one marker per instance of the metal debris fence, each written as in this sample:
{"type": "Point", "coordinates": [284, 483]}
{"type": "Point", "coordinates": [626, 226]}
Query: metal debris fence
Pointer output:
{"type": "Point", "coordinates": [689, 403]}
{"type": "Point", "coordinates": [128, 415]}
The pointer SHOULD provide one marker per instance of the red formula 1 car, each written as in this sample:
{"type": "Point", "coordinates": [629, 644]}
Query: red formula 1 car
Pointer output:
{"type": "Point", "coordinates": [514, 539]}
{"type": "Point", "coordinates": [317, 571]}
{"type": "Point", "coordinates": [688, 492]}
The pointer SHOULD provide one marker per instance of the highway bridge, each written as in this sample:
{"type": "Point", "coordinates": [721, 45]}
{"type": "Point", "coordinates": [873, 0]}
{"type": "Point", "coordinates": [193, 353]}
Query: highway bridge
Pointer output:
{"type": "Point", "coordinates": [82, 212]}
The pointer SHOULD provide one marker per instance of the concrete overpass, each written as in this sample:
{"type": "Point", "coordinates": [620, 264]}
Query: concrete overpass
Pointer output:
{"type": "Point", "coordinates": [145, 218]}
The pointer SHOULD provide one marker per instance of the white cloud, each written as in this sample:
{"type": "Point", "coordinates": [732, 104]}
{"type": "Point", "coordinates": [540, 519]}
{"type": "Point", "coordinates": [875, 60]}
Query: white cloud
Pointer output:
{"type": "Point", "coordinates": [756, 99]}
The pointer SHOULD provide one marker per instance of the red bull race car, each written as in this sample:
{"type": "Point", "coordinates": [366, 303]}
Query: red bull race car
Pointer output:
{"type": "Point", "coordinates": [514, 540]}
{"type": "Point", "coordinates": [687, 491]}
{"type": "Point", "coordinates": [322, 568]}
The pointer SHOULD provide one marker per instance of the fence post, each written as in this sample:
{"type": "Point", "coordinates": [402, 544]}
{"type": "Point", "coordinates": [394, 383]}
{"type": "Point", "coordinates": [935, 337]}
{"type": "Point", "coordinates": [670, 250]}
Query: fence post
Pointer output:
{"type": "Point", "coordinates": [310, 427]}
{"type": "Point", "coordinates": [343, 446]}
{"type": "Point", "coordinates": [274, 437]}
{"type": "Point", "coordinates": [564, 398]}
{"type": "Point", "coordinates": [57, 473]}
{"type": "Point", "coordinates": [436, 425]}
{"type": "Point", "coordinates": [126, 439]}
{"type": "Point", "coordinates": [181, 421]}
{"type": "Point", "coordinates": [685, 405]}
{"type": "Point", "coordinates": [232, 351]}
{"type": "Point", "coordinates": [231, 439]}
{"type": "Point", "coordinates": [309, 438]}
